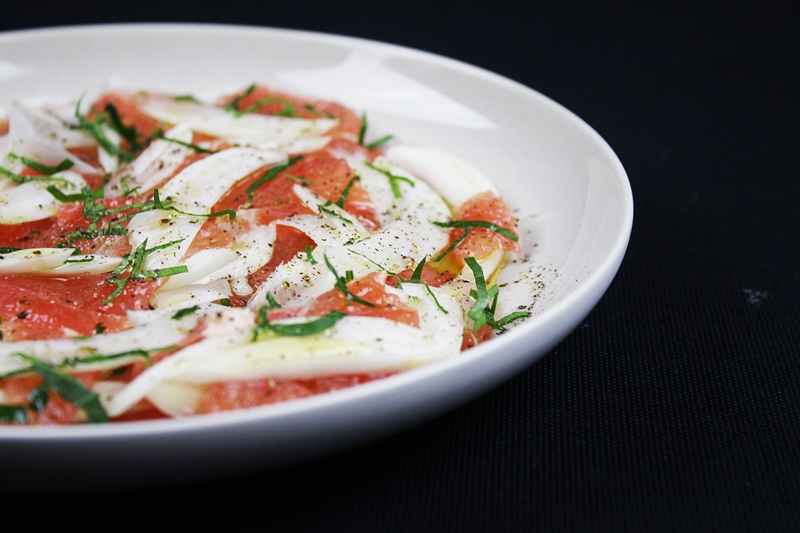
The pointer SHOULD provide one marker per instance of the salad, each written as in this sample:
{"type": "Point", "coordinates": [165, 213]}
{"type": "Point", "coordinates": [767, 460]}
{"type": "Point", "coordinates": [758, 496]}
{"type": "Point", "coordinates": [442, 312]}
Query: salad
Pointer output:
{"type": "Point", "coordinates": [165, 255]}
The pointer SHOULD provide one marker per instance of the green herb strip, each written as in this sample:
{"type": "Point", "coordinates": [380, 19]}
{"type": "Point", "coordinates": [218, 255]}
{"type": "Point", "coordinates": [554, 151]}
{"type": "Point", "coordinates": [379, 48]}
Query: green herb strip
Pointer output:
{"type": "Point", "coordinates": [94, 211]}
{"type": "Point", "coordinates": [341, 284]}
{"type": "Point", "coordinates": [482, 312]}
{"type": "Point", "coordinates": [134, 260]}
{"type": "Point", "coordinates": [299, 179]}
{"type": "Point", "coordinates": [65, 386]}
{"type": "Point", "coordinates": [309, 256]}
{"type": "Point", "coordinates": [287, 111]}
{"type": "Point", "coordinates": [95, 130]}
{"type": "Point", "coordinates": [185, 312]}
{"type": "Point", "coordinates": [8, 250]}
{"type": "Point", "coordinates": [393, 180]}
{"type": "Point", "coordinates": [45, 170]}
{"type": "Point", "coordinates": [233, 105]}
{"type": "Point", "coordinates": [467, 226]}
{"type": "Point", "coordinates": [158, 204]}
{"type": "Point", "coordinates": [199, 149]}
{"type": "Point", "coordinates": [14, 414]}
{"type": "Point", "coordinates": [271, 174]}
{"type": "Point", "coordinates": [186, 98]}
{"type": "Point", "coordinates": [302, 329]}
{"type": "Point", "coordinates": [328, 211]}
{"type": "Point", "coordinates": [380, 142]}
{"type": "Point", "coordinates": [130, 134]}
{"type": "Point", "coordinates": [346, 192]}
{"type": "Point", "coordinates": [272, 303]}
{"type": "Point", "coordinates": [16, 178]}
{"type": "Point", "coordinates": [362, 131]}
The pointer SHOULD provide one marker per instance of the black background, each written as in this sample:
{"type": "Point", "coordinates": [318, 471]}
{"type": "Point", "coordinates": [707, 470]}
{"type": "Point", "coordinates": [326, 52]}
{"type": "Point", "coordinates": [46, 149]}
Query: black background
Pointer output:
{"type": "Point", "coordinates": [675, 405]}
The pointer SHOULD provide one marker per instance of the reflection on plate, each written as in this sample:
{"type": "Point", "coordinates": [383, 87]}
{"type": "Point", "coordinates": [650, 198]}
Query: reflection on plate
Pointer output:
{"type": "Point", "coordinates": [568, 189]}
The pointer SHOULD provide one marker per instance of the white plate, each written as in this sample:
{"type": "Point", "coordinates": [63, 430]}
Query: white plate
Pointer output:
{"type": "Point", "coordinates": [568, 188]}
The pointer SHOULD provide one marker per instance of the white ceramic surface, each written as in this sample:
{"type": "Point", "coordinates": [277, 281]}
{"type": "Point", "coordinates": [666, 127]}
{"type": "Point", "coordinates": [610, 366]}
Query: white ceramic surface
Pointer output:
{"type": "Point", "coordinates": [568, 188]}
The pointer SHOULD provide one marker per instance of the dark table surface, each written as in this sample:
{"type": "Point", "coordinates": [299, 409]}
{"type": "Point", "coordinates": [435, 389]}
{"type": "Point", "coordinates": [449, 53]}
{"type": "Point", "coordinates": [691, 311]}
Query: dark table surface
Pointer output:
{"type": "Point", "coordinates": [675, 406]}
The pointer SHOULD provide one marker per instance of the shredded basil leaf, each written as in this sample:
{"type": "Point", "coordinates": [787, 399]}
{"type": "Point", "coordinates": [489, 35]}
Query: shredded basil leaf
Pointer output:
{"type": "Point", "coordinates": [47, 170]}
{"type": "Point", "coordinates": [233, 105]}
{"type": "Point", "coordinates": [362, 131]}
{"type": "Point", "coordinates": [309, 256]}
{"type": "Point", "coordinates": [270, 174]}
{"type": "Point", "coordinates": [68, 388]}
{"type": "Point", "coordinates": [16, 178]}
{"type": "Point", "coordinates": [324, 209]}
{"type": "Point", "coordinates": [129, 133]}
{"type": "Point", "coordinates": [287, 111]}
{"type": "Point", "coordinates": [301, 329]}
{"type": "Point", "coordinates": [95, 129]}
{"type": "Point", "coordinates": [467, 226]}
{"type": "Point", "coordinates": [272, 303]}
{"type": "Point", "coordinates": [14, 414]}
{"type": "Point", "coordinates": [199, 149]}
{"type": "Point", "coordinates": [185, 312]}
{"type": "Point", "coordinates": [482, 312]}
{"type": "Point", "coordinates": [380, 142]}
{"type": "Point", "coordinates": [135, 260]}
{"type": "Point", "coordinates": [341, 284]}
{"type": "Point", "coordinates": [158, 204]}
{"type": "Point", "coordinates": [299, 179]}
{"type": "Point", "coordinates": [393, 180]}
{"type": "Point", "coordinates": [346, 192]}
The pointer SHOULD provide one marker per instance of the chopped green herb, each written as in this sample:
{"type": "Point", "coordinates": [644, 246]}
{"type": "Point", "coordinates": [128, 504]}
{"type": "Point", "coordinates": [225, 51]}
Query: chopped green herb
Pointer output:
{"type": "Point", "coordinates": [158, 204]}
{"type": "Point", "coordinates": [270, 174]}
{"type": "Point", "coordinates": [185, 312]}
{"type": "Point", "coordinates": [16, 178]}
{"type": "Point", "coordinates": [199, 149]}
{"type": "Point", "coordinates": [482, 312]}
{"type": "Point", "coordinates": [287, 111]}
{"type": "Point", "coordinates": [313, 109]}
{"type": "Point", "coordinates": [362, 131]}
{"type": "Point", "coordinates": [14, 414]}
{"type": "Point", "coordinates": [126, 190]}
{"type": "Point", "coordinates": [467, 226]}
{"type": "Point", "coordinates": [8, 250]}
{"type": "Point", "coordinates": [380, 142]}
{"type": "Point", "coordinates": [416, 277]}
{"type": "Point", "coordinates": [94, 211]}
{"type": "Point", "coordinates": [393, 180]}
{"type": "Point", "coordinates": [299, 179]}
{"type": "Point", "coordinates": [435, 300]}
{"type": "Point", "coordinates": [130, 134]}
{"type": "Point", "coordinates": [98, 358]}
{"type": "Point", "coordinates": [47, 170]}
{"type": "Point", "coordinates": [88, 259]}
{"type": "Point", "coordinates": [225, 301]}
{"type": "Point", "coordinates": [272, 303]}
{"type": "Point", "coordinates": [302, 329]}
{"type": "Point", "coordinates": [233, 105]}
{"type": "Point", "coordinates": [64, 198]}
{"type": "Point", "coordinates": [94, 128]}
{"type": "Point", "coordinates": [69, 388]}
{"type": "Point", "coordinates": [341, 284]}
{"type": "Point", "coordinates": [346, 192]}
{"type": "Point", "coordinates": [309, 256]}
{"type": "Point", "coordinates": [185, 98]}
{"type": "Point", "coordinates": [325, 209]}
{"type": "Point", "coordinates": [134, 260]}
{"type": "Point", "coordinates": [99, 328]}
